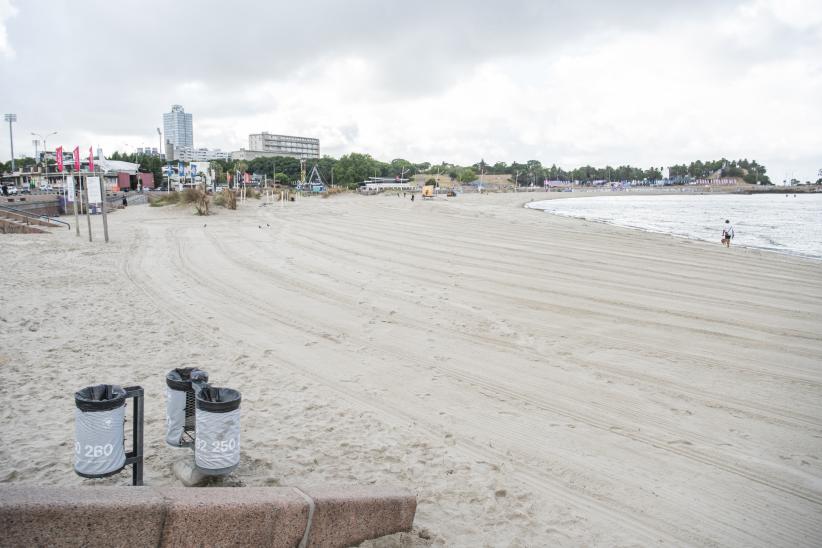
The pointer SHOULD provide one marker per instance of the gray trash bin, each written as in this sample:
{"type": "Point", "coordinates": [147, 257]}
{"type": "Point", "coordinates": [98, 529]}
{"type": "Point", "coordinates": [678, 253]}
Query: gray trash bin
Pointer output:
{"type": "Point", "coordinates": [217, 449]}
{"type": "Point", "coordinates": [99, 418]}
{"type": "Point", "coordinates": [181, 386]}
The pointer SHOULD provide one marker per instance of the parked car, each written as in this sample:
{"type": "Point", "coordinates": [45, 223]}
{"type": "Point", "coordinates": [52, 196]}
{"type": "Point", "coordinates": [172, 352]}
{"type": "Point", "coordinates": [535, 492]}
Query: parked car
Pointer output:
{"type": "Point", "coordinates": [12, 190]}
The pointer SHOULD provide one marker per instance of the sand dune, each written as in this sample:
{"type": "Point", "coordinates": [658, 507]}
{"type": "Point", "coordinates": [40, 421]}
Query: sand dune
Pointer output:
{"type": "Point", "coordinates": [537, 380]}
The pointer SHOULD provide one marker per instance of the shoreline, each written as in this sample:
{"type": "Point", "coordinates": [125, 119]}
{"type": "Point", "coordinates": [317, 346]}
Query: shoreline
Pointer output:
{"type": "Point", "coordinates": [788, 253]}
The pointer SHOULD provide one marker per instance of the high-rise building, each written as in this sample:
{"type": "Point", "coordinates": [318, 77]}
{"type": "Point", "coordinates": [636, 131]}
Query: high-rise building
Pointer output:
{"type": "Point", "coordinates": [178, 127]}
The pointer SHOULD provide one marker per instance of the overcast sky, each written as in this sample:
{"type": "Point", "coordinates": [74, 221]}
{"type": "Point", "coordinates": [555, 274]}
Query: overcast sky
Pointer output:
{"type": "Point", "coordinates": [647, 83]}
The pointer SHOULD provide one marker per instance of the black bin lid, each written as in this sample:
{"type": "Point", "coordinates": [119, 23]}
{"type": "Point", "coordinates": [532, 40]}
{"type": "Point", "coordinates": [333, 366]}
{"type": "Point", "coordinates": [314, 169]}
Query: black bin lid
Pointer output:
{"type": "Point", "coordinates": [180, 378]}
{"type": "Point", "coordinates": [100, 397]}
{"type": "Point", "coordinates": [218, 400]}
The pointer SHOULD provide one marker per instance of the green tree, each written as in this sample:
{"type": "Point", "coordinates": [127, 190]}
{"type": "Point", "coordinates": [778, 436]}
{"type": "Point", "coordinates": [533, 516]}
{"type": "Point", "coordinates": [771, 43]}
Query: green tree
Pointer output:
{"type": "Point", "coordinates": [652, 174]}
{"type": "Point", "coordinates": [325, 165]}
{"type": "Point", "coordinates": [19, 164]}
{"type": "Point", "coordinates": [467, 175]}
{"type": "Point", "coordinates": [400, 168]}
{"type": "Point", "coordinates": [499, 168]}
{"type": "Point", "coordinates": [351, 169]}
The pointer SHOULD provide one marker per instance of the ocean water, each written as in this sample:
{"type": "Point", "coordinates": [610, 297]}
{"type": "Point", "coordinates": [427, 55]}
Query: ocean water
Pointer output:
{"type": "Point", "coordinates": [791, 225]}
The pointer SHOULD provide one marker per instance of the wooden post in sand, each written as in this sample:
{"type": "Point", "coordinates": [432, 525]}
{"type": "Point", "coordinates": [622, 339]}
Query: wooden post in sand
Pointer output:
{"type": "Point", "coordinates": [103, 205]}
{"type": "Point", "coordinates": [73, 202]}
{"type": "Point", "coordinates": [88, 210]}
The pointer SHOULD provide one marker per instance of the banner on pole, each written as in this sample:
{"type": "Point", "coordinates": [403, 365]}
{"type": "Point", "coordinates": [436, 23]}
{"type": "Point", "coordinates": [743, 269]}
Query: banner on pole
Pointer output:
{"type": "Point", "coordinates": [193, 170]}
{"type": "Point", "coordinates": [94, 193]}
{"type": "Point", "coordinates": [91, 159]}
{"type": "Point", "coordinates": [60, 159]}
{"type": "Point", "coordinates": [246, 178]}
{"type": "Point", "coordinates": [76, 158]}
{"type": "Point", "coordinates": [70, 188]}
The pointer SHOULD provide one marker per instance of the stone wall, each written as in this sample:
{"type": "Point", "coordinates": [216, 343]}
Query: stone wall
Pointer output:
{"type": "Point", "coordinates": [208, 516]}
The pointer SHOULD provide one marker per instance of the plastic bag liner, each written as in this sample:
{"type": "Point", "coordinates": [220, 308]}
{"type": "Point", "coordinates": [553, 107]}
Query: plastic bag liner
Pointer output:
{"type": "Point", "coordinates": [98, 428]}
{"type": "Point", "coordinates": [217, 449]}
{"type": "Point", "coordinates": [180, 423]}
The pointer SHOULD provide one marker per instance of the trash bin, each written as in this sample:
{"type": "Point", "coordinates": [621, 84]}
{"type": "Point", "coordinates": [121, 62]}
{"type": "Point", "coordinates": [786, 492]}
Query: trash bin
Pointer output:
{"type": "Point", "coordinates": [217, 449]}
{"type": "Point", "coordinates": [181, 385]}
{"type": "Point", "coordinates": [99, 420]}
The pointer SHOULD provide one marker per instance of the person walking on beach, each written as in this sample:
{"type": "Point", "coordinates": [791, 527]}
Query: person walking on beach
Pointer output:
{"type": "Point", "coordinates": [727, 233]}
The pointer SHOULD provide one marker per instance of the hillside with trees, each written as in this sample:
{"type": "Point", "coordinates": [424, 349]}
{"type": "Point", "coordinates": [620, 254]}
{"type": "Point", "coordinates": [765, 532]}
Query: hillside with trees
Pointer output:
{"type": "Point", "coordinates": [353, 168]}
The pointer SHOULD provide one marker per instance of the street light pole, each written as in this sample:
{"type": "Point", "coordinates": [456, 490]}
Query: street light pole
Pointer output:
{"type": "Point", "coordinates": [45, 149]}
{"type": "Point", "coordinates": [11, 118]}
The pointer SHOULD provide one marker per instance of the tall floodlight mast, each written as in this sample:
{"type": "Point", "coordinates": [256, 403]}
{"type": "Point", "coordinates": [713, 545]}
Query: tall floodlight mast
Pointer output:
{"type": "Point", "coordinates": [11, 118]}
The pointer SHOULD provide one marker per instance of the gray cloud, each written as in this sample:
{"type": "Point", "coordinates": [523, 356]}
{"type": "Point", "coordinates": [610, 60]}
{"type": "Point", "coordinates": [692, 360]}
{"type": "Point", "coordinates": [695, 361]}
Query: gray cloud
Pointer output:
{"type": "Point", "coordinates": [107, 70]}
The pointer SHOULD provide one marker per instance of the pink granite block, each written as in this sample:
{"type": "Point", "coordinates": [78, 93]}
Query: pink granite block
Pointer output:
{"type": "Point", "coordinates": [80, 516]}
{"type": "Point", "coordinates": [226, 516]}
{"type": "Point", "coordinates": [348, 515]}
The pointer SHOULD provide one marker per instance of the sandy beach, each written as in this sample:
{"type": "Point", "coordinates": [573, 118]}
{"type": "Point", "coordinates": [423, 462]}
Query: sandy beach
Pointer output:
{"type": "Point", "coordinates": [536, 380]}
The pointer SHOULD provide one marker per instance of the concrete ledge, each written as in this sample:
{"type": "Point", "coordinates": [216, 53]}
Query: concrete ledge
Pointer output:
{"type": "Point", "coordinates": [82, 516]}
{"type": "Point", "coordinates": [344, 516]}
{"type": "Point", "coordinates": [209, 516]}
{"type": "Point", "coordinates": [226, 516]}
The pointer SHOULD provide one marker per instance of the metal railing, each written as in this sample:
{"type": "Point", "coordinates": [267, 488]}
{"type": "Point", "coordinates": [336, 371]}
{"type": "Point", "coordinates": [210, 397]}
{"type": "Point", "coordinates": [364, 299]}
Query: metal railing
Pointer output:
{"type": "Point", "coordinates": [28, 215]}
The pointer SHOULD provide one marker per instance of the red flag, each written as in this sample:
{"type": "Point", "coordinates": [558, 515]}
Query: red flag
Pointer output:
{"type": "Point", "coordinates": [91, 159]}
{"type": "Point", "coordinates": [60, 159]}
{"type": "Point", "coordinates": [76, 158]}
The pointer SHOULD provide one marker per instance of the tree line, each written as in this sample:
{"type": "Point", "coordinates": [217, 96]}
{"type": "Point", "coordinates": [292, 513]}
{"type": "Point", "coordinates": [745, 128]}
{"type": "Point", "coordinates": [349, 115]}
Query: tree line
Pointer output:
{"type": "Point", "coordinates": [750, 171]}
{"type": "Point", "coordinates": [351, 169]}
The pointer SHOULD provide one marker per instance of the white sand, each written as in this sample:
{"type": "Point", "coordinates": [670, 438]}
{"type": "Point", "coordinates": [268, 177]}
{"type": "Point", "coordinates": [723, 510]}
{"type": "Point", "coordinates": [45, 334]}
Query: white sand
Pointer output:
{"type": "Point", "coordinates": [536, 380]}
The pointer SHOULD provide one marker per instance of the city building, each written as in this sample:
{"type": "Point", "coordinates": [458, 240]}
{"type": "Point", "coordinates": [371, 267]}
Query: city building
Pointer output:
{"type": "Point", "coordinates": [178, 127]}
{"type": "Point", "coordinates": [284, 145]}
{"type": "Point", "coordinates": [248, 155]}
{"type": "Point", "coordinates": [191, 154]}
{"type": "Point", "coordinates": [148, 151]}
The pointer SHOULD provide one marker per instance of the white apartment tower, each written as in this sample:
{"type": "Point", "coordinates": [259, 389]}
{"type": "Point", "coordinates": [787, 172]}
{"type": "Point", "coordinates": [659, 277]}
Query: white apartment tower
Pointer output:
{"type": "Point", "coordinates": [178, 127]}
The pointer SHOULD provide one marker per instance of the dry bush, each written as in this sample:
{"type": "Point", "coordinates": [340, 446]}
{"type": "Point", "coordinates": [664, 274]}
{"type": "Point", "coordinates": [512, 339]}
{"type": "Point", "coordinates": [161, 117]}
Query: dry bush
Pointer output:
{"type": "Point", "coordinates": [201, 199]}
{"type": "Point", "coordinates": [190, 195]}
{"type": "Point", "coordinates": [167, 198]}
{"type": "Point", "coordinates": [230, 199]}
{"type": "Point", "coordinates": [334, 190]}
{"type": "Point", "coordinates": [252, 193]}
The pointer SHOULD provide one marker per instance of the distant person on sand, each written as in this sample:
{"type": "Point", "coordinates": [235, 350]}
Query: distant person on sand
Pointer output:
{"type": "Point", "coordinates": [412, 197]}
{"type": "Point", "coordinates": [727, 233]}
